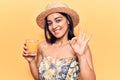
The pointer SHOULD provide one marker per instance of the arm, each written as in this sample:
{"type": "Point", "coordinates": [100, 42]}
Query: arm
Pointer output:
{"type": "Point", "coordinates": [33, 61]}
{"type": "Point", "coordinates": [86, 66]}
{"type": "Point", "coordinates": [85, 63]}
{"type": "Point", "coordinates": [82, 51]}
{"type": "Point", "coordinates": [33, 69]}
{"type": "Point", "coordinates": [35, 64]}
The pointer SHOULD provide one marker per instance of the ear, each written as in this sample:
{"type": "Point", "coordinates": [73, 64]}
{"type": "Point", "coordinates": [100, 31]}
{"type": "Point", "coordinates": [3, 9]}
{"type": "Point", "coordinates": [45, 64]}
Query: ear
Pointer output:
{"type": "Point", "coordinates": [68, 22]}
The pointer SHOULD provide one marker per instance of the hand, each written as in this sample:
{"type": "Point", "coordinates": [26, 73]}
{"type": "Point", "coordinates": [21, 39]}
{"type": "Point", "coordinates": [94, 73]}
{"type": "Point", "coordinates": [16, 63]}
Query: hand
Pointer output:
{"type": "Point", "coordinates": [79, 43]}
{"type": "Point", "coordinates": [28, 56]}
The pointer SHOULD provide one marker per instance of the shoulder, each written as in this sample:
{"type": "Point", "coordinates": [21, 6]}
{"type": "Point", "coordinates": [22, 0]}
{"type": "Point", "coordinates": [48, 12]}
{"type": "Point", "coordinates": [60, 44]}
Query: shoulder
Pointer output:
{"type": "Point", "coordinates": [42, 45]}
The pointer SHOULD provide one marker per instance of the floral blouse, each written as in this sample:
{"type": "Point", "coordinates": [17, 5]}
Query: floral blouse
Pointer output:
{"type": "Point", "coordinates": [59, 69]}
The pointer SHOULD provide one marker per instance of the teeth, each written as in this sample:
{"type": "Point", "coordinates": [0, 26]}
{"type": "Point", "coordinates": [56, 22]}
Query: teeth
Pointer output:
{"type": "Point", "coordinates": [56, 31]}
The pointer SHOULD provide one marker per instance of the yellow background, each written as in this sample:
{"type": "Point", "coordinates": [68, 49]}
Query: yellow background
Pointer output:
{"type": "Point", "coordinates": [101, 18]}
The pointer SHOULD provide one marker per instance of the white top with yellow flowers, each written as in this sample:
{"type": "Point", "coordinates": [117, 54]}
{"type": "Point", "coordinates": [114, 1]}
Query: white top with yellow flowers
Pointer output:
{"type": "Point", "coordinates": [58, 69]}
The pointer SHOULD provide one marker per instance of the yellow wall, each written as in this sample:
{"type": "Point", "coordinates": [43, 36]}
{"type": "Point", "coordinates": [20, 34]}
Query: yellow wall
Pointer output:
{"type": "Point", "coordinates": [99, 17]}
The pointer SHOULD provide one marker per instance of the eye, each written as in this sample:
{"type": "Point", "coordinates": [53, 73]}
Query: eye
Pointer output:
{"type": "Point", "coordinates": [49, 23]}
{"type": "Point", "coordinates": [58, 20]}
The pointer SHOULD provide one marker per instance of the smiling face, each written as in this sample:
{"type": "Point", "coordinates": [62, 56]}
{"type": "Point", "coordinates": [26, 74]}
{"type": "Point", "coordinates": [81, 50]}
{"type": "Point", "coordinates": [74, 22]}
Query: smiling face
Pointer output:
{"type": "Point", "coordinates": [57, 25]}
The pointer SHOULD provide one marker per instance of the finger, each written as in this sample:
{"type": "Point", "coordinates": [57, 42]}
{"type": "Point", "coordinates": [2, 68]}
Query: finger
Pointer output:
{"type": "Point", "coordinates": [78, 28]}
{"type": "Point", "coordinates": [33, 54]}
{"type": "Point", "coordinates": [24, 44]}
{"type": "Point", "coordinates": [73, 40]}
{"type": "Point", "coordinates": [80, 35]}
{"type": "Point", "coordinates": [79, 40]}
{"type": "Point", "coordinates": [79, 31]}
{"type": "Point", "coordinates": [83, 36]}
{"type": "Point", "coordinates": [25, 52]}
{"type": "Point", "coordinates": [25, 48]}
{"type": "Point", "coordinates": [29, 54]}
{"type": "Point", "coordinates": [88, 39]}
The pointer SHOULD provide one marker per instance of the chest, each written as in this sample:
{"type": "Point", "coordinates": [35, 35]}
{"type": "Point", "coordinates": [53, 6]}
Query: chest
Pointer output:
{"type": "Point", "coordinates": [58, 52]}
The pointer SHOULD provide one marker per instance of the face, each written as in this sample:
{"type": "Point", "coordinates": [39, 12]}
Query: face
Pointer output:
{"type": "Point", "coordinates": [58, 25]}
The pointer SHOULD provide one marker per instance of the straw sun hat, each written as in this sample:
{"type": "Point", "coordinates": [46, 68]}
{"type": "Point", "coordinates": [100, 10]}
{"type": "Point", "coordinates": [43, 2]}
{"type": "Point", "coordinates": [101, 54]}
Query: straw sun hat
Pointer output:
{"type": "Point", "coordinates": [57, 7]}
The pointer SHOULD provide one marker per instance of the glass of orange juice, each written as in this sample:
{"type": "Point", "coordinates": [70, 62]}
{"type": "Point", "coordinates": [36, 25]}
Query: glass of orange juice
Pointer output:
{"type": "Point", "coordinates": [32, 45]}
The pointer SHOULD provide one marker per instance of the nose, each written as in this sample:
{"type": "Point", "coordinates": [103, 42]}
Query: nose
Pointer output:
{"type": "Point", "coordinates": [54, 25]}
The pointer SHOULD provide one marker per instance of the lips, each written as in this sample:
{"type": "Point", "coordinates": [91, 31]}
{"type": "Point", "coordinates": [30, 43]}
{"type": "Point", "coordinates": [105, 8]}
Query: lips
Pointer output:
{"type": "Point", "coordinates": [56, 31]}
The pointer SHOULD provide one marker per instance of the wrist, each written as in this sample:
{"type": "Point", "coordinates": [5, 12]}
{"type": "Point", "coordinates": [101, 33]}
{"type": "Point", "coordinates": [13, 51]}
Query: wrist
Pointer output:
{"type": "Point", "coordinates": [31, 61]}
{"type": "Point", "coordinates": [79, 55]}
{"type": "Point", "coordinates": [82, 58]}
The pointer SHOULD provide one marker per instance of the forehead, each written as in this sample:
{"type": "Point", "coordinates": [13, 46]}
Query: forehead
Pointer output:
{"type": "Point", "coordinates": [54, 15]}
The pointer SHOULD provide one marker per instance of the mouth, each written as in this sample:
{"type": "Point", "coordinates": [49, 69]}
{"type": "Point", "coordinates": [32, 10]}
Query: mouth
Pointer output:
{"type": "Point", "coordinates": [57, 31]}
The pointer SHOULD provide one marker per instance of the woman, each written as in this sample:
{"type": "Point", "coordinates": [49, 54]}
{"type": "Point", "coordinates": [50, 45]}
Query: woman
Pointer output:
{"type": "Point", "coordinates": [62, 56]}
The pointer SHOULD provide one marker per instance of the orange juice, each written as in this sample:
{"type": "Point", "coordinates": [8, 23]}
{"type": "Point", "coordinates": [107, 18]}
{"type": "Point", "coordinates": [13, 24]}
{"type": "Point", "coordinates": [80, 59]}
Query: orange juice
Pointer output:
{"type": "Point", "coordinates": [32, 46]}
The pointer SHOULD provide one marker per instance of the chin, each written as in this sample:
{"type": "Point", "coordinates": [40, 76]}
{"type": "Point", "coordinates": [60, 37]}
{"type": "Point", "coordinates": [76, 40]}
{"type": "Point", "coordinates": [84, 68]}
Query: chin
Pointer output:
{"type": "Point", "coordinates": [58, 36]}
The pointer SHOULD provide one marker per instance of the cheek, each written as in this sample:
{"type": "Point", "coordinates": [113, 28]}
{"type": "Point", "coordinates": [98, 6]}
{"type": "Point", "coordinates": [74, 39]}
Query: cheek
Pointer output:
{"type": "Point", "coordinates": [49, 28]}
{"type": "Point", "coordinates": [65, 26]}
{"type": "Point", "coordinates": [61, 24]}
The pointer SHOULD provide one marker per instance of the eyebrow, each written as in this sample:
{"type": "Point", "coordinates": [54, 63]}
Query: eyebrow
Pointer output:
{"type": "Point", "coordinates": [55, 18]}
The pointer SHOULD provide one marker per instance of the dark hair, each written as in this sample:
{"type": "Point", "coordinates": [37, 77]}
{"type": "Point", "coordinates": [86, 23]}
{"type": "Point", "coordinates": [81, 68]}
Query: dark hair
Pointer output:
{"type": "Point", "coordinates": [50, 38]}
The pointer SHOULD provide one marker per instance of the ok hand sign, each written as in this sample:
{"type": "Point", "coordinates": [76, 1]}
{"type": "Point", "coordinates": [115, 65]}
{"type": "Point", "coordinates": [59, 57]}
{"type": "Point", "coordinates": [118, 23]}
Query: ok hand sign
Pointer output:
{"type": "Point", "coordinates": [79, 43]}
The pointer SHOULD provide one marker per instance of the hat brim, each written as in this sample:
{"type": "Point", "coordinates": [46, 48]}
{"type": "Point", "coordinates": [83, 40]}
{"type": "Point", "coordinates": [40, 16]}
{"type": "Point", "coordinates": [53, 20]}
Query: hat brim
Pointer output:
{"type": "Point", "coordinates": [41, 17]}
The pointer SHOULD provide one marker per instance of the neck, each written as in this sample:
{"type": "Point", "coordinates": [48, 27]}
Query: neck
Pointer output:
{"type": "Point", "coordinates": [62, 41]}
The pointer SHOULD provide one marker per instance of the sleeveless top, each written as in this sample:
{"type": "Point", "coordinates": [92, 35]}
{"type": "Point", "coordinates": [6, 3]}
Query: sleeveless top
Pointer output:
{"type": "Point", "coordinates": [58, 69]}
